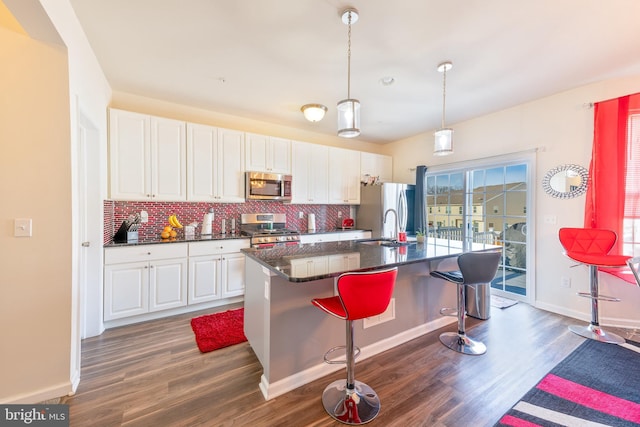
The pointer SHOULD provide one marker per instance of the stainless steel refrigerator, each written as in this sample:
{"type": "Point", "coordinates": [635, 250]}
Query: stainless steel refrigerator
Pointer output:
{"type": "Point", "coordinates": [375, 200]}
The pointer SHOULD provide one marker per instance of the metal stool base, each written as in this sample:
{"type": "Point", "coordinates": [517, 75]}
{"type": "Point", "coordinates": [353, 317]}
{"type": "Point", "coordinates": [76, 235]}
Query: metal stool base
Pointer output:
{"type": "Point", "coordinates": [462, 344]}
{"type": "Point", "coordinates": [596, 333]}
{"type": "Point", "coordinates": [449, 312]}
{"type": "Point", "coordinates": [355, 407]}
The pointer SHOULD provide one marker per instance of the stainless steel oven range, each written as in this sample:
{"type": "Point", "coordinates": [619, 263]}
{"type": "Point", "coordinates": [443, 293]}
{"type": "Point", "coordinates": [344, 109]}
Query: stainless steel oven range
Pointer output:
{"type": "Point", "coordinates": [268, 230]}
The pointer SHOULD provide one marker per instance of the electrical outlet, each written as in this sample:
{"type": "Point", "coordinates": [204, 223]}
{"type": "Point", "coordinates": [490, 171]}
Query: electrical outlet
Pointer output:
{"type": "Point", "coordinates": [144, 216]}
{"type": "Point", "coordinates": [300, 215]}
{"type": "Point", "coordinates": [339, 214]}
{"type": "Point", "coordinates": [565, 282]}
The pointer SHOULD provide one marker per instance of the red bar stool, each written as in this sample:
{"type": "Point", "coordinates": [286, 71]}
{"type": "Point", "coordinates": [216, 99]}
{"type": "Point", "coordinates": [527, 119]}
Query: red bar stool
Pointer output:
{"type": "Point", "coordinates": [360, 295]}
{"type": "Point", "coordinates": [634, 266]}
{"type": "Point", "coordinates": [591, 246]}
{"type": "Point", "coordinates": [476, 268]}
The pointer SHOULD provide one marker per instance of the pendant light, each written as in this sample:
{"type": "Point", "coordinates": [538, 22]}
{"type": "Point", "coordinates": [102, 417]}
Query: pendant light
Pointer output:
{"type": "Point", "coordinates": [349, 109]}
{"type": "Point", "coordinates": [443, 136]}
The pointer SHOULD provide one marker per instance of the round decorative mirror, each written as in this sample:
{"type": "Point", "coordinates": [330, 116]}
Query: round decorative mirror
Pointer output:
{"type": "Point", "coordinates": [566, 181]}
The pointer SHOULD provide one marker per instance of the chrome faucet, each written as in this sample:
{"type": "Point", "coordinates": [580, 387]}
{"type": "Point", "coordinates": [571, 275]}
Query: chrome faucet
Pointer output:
{"type": "Point", "coordinates": [397, 223]}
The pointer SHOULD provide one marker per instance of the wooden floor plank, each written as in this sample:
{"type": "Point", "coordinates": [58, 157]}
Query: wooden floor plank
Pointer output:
{"type": "Point", "coordinates": [152, 374]}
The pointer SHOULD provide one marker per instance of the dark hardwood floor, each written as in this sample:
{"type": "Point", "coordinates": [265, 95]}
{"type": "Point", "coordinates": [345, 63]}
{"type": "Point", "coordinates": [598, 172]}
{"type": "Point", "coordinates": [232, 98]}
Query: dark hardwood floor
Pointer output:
{"type": "Point", "coordinates": [152, 374]}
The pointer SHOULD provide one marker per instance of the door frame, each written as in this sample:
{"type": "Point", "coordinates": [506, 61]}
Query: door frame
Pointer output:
{"type": "Point", "coordinates": [528, 157]}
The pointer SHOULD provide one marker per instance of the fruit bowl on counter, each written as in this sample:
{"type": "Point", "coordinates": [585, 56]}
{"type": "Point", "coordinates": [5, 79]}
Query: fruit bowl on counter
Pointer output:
{"type": "Point", "coordinates": [170, 231]}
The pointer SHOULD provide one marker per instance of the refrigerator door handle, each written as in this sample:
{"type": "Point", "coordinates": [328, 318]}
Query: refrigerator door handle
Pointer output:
{"type": "Point", "coordinates": [402, 211]}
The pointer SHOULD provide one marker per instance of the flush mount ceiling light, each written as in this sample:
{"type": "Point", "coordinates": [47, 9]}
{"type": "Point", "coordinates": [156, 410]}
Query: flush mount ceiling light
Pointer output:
{"type": "Point", "coordinates": [313, 112]}
{"type": "Point", "coordinates": [349, 109]}
{"type": "Point", "coordinates": [443, 136]}
{"type": "Point", "coordinates": [387, 81]}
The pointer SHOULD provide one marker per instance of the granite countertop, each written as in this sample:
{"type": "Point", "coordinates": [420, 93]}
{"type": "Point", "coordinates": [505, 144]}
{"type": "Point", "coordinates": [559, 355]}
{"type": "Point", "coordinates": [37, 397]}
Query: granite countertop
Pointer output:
{"type": "Point", "coordinates": [196, 238]}
{"type": "Point", "coordinates": [282, 260]}
{"type": "Point", "coordinates": [331, 230]}
{"type": "Point", "coordinates": [206, 238]}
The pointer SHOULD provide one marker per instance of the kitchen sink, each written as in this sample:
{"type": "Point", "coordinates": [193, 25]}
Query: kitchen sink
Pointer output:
{"type": "Point", "coordinates": [384, 242]}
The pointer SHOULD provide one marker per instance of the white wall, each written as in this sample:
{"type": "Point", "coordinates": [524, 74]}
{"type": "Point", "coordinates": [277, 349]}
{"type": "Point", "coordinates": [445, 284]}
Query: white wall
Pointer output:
{"type": "Point", "coordinates": [35, 308]}
{"type": "Point", "coordinates": [40, 344]}
{"type": "Point", "coordinates": [561, 128]}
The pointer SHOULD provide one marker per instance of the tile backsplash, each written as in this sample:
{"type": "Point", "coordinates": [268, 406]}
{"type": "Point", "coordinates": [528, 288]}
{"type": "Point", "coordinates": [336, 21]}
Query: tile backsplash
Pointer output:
{"type": "Point", "coordinates": [188, 212]}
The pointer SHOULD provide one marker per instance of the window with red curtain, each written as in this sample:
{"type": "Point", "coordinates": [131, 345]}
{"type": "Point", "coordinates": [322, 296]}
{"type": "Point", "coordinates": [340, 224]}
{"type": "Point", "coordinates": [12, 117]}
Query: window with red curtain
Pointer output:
{"type": "Point", "coordinates": [613, 194]}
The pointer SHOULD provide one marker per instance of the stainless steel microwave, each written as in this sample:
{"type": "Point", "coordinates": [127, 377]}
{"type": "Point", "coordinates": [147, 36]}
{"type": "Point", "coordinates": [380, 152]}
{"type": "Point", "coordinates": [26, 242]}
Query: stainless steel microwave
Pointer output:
{"type": "Point", "coordinates": [268, 186]}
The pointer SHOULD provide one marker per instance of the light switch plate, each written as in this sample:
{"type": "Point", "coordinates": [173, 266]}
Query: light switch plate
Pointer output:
{"type": "Point", "coordinates": [22, 227]}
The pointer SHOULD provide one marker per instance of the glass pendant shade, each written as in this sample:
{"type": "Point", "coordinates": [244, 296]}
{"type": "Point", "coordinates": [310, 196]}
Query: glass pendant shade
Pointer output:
{"type": "Point", "coordinates": [349, 118]}
{"type": "Point", "coordinates": [443, 142]}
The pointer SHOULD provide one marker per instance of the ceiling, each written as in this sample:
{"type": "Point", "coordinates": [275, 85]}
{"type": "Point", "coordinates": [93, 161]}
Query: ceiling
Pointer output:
{"type": "Point", "coordinates": [264, 59]}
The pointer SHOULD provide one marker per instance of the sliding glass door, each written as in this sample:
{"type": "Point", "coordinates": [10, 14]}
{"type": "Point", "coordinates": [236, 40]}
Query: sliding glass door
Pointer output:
{"type": "Point", "coordinates": [487, 206]}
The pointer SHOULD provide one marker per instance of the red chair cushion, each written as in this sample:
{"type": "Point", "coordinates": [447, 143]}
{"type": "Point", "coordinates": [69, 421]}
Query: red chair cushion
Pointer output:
{"type": "Point", "coordinates": [591, 246]}
{"type": "Point", "coordinates": [360, 294]}
{"type": "Point", "coordinates": [599, 260]}
{"type": "Point", "coordinates": [331, 305]}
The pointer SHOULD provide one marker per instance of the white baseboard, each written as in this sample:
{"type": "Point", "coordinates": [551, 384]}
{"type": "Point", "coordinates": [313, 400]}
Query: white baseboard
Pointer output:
{"type": "Point", "coordinates": [41, 395]}
{"type": "Point", "coordinates": [171, 312]}
{"type": "Point", "coordinates": [75, 382]}
{"type": "Point", "coordinates": [604, 320]}
{"type": "Point", "coordinates": [280, 387]}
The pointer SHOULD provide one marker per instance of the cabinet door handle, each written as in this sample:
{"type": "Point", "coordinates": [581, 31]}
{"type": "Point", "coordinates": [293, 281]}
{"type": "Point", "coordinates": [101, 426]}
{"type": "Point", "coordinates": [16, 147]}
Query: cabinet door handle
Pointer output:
{"type": "Point", "coordinates": [86, 244]}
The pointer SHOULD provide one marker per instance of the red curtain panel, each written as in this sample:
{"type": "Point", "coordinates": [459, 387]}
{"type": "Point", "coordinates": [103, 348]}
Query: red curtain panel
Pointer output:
{"type": "Point", "coordinates": [614, 169]}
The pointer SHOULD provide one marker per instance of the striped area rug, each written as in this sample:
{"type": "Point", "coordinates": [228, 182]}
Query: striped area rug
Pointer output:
{"type": "Point", "coordinates": [596, 385]}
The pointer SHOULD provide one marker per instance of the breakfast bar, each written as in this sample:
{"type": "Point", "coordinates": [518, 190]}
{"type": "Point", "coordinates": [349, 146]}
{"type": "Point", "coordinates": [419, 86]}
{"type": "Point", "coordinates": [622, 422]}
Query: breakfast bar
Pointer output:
{"type": "Point", "coordinates": [289, 336]}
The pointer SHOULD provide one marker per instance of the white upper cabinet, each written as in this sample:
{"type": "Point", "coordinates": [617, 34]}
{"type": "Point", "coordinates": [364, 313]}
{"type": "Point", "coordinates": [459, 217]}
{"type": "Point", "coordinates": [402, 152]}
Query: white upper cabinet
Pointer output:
{"type": "Point", "coordinates": [215, 161]}
{"type": "Point", "coordinates": [310, 173]}
{"type": "Point", "coordinates": [147, 157]}
{"type": "Point", "coordinates": [376, 165]}
{"type": "Point", "coordinates": [168, 160]}
{"type": "Point", "coordinates": [344, 176]}
{"type": "Point", "coordinates": [230, 163]}
{"type": "Point", "coordinates": [268, 154]}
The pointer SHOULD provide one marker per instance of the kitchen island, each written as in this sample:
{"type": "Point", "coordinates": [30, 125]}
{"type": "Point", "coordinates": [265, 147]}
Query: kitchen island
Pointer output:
{"type": "Point", "coordinates": [290, 336]}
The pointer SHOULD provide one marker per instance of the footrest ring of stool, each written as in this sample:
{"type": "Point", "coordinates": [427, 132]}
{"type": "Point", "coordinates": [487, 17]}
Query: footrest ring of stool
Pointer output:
{"type": "Point", "coordinates": [356, 353]}
{"type": "Point", "coordinates": [599, 297]}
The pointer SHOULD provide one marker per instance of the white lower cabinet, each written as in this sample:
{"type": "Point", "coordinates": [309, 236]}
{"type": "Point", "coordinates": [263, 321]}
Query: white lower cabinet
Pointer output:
{"type": "Point", "coordinates": [143, 279]}
{"type": "Point", "coordinates": [335, 237]}
{"type": "Point", "coordinates": [204, 273]}
{"type": "Point", "coordinates": [126, 290]}
{"type": "Point", "coordinates": [216, 270]}
{"type": "Point", "coordinates": [344, 262]}
{"type": "Point", "coordinates": [309, 267]}
{"type": "Point", "coordinates": [319, 238]}
{"type": "Point", "coordinates": [167, 284]}
{"type": "Point", "coordinates": [146, 279]}
{"type": "Point", "coordinates": [355, 235]}
{"type": "Point", "coordinates": [233, 275]}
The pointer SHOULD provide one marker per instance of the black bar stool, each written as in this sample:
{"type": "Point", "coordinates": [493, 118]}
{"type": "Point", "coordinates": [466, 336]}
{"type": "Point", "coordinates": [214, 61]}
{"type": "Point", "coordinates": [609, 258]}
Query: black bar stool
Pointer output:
{"type": "Point", "coordinates": [360, 295]}
{"type": "Point", "coordinates": [476, 268]}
